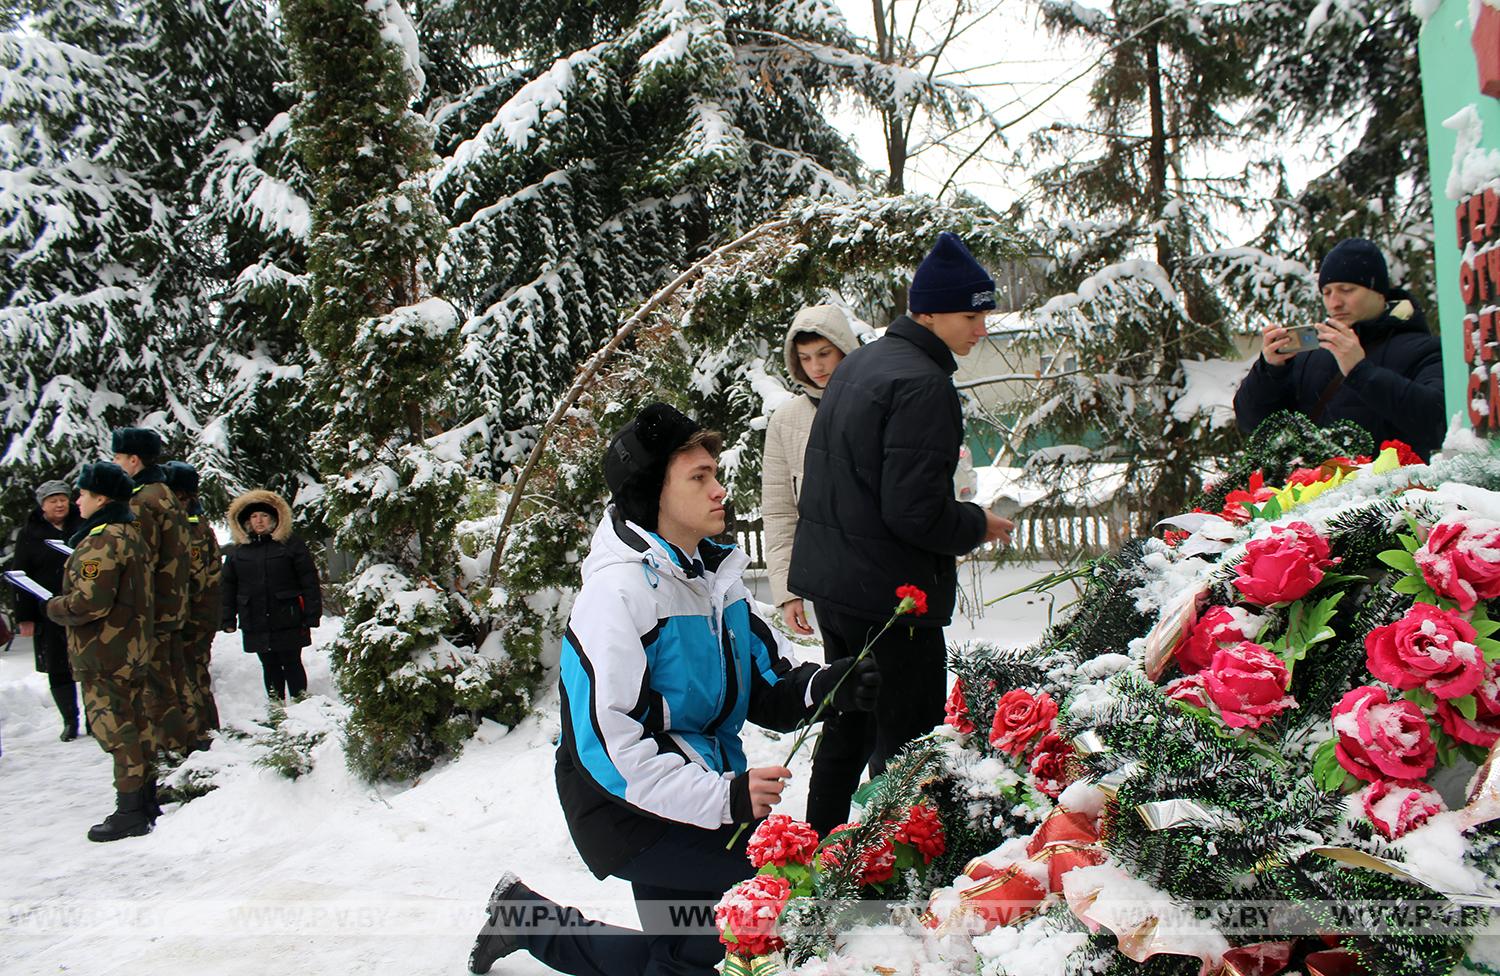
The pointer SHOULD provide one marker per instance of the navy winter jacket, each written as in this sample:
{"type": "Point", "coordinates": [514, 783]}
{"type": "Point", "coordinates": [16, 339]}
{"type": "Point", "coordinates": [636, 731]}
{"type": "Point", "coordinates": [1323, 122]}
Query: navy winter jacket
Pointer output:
{"type": "Point", "coordinates": [1396, 391]}
{"type": "Point", "coordinates": [877, 509]}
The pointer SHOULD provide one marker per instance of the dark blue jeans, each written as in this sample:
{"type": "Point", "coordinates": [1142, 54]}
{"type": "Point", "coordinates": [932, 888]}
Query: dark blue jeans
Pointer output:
{"type": "Point", "coordinates": [676, 883]}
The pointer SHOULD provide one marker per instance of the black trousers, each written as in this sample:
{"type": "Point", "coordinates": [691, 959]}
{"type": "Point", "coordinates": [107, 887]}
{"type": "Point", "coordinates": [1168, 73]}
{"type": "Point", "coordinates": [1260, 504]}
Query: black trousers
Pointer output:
{"type": "Point", "coordinates": [676, 882]}
{"type": "Point", "coordinates": [283, 673]}
{"type": "Point", "coordinates": [913, 686]}
{"type": "Point", "coordinates": [65, 696]}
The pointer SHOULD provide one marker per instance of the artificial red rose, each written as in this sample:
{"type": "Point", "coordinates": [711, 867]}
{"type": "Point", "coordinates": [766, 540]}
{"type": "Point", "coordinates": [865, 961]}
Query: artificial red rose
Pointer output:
{"type": "Point", "coordinates": [1283, 566]}
{"type": "Point", "coordinates": [877, 862]}
{"type": "Point", "coordinates": [1382, 739]}
{"type": "Point", "coordinates": [1461, 561]}
{"type": "Point", "coordinates": [1484, 728]}
{"type": "Point", "coordinates": [1428, 648]}
{"type": "Point", "coordinates": [1189, 689]}
{"type": "Point", "coordinates": [1049, 765]}
{"type": "Point", "coordinates": [956, 710]}
{"type": "Point", "coordinates": [747, 915]}
{"type": "Point", "coordinates": [1217, 627]}
{"type": "Point", "coordinates": [1305, 476]}
{"type": "Point", "coordinates": [1395, 808]}
{"type": "Point", "coordinates": [1020, 719]}
{"type": "Point", "coordinates": [1248, 684]}
{"type": "Point", "coordinates": [923, 830]}
{"type": "Point", "coordinates": [1404, 454]}
{"type": "Point", "coordinates": [780, 840]}
{"type": "Point", "coordinates": [917, 597]}
{"type": "Point", "coordinates": [1234, 503]}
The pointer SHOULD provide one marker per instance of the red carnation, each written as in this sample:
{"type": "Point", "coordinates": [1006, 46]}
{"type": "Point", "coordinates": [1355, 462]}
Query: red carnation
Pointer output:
{"type": "Point", "coordinates": [1021, 718]}
{"type": "Point", "coordinates": [956, 710]}
{"type": "Point", "coordinates": [780, 840]}
{"type": "Point", "coordinates": [877, 863]}
{"type": "Point", "coordinates": [1404, 454]}
{"type": "Point", "coordinates": [748, 913]}
{"type": "Point", "coordinates": [1049, 764]}
{"type": "Point", "coordinates": [918, 600]}
{"type": "Point", "coordinates": [1234, 502]}
{"type": "Point", "coordinates": [923, 830]}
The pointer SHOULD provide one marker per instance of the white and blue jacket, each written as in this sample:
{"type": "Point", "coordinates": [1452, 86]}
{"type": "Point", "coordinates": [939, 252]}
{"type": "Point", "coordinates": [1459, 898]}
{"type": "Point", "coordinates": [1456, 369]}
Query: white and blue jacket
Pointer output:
{"type": "Point", "coordinates": [664, 659]}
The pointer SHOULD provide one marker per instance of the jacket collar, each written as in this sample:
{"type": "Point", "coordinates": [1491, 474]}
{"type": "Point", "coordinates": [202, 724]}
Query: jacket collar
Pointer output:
{"type": "Point", "coordinates": [151, 474]}
{"type": "Point", "coordinates": [925, 340]}
{"type": "Point", "coordinates": [620, 540]}
{"type": "Point", "coordinates": [112, 512]}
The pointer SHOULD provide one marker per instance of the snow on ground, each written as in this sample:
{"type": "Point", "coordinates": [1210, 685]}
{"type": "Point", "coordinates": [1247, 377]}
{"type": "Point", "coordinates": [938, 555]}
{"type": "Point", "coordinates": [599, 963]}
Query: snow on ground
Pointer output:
{"type": "Point", "coordinates": [325, 874]}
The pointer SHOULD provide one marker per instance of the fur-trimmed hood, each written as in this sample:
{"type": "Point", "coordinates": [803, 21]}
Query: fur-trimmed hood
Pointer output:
{"type": "Point", "coordinates": [283, 530]}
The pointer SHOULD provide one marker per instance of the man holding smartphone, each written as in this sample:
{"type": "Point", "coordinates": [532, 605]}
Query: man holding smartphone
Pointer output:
{"type": "Point", "coordinates": [1371, 361]}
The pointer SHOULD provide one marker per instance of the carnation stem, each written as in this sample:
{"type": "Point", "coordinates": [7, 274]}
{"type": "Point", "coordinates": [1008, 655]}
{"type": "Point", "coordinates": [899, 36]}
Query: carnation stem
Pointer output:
{"type": "Point", "coordinates": [805, 729]}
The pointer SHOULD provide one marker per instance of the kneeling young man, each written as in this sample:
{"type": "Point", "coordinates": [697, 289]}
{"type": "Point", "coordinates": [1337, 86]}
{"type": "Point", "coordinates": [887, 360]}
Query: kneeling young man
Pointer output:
{"type": "Point", "coordinates": [665, 659]}
{"type": "Point", "coordinates": [106, 605]}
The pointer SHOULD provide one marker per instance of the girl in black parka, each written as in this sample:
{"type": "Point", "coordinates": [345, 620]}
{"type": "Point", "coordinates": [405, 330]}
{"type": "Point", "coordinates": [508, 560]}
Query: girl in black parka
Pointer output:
{"type": "Point", "coordinates": [271, 590]}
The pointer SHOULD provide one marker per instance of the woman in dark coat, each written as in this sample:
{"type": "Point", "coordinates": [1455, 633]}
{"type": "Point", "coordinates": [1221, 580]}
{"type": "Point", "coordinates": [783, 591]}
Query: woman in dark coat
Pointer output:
{"type": "Point", "coordinates": [271, 590]}
{"type": "Point", "coordinates": [55, 517]}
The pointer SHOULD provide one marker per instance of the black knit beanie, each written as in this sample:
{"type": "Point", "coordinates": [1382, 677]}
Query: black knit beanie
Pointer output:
{"type": "Point", "coordinates": [1358, 262]}
{"type": "Point", "coordinates": [635, 466]}
{"type": "Point", "coordinates": [950, 280]}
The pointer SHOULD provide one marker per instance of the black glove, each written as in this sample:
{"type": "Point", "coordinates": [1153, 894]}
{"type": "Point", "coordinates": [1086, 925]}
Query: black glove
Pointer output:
{"type": "Point", "coordinates": [859, 690]}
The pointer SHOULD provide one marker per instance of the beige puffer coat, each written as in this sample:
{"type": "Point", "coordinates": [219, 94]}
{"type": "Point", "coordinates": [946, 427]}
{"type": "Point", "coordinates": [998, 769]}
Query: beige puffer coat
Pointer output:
{"type": "Point", "coordinates": [786, 442]}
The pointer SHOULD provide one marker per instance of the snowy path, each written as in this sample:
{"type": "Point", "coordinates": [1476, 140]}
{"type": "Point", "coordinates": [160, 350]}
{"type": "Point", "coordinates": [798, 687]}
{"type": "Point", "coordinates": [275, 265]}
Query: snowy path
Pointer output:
{"type": "Point", "coordinates": [321, 875]}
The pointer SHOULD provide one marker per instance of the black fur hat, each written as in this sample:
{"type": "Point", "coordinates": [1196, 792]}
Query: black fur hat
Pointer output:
{"type": "Point", "coordinates": [108, 479]}
{"type": "Point", "coordinates": [181, 477]}
{"type": "Point", "coordinates": [636, 463]}
{"type": "Point", "coordinates": [143, 442]}
{"type": "Point", "coordinates": [244, 514]}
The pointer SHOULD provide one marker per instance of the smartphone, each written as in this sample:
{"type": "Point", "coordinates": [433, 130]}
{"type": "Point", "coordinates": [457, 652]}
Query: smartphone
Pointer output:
{"type": "Point", "coordinates": [1304, 339]}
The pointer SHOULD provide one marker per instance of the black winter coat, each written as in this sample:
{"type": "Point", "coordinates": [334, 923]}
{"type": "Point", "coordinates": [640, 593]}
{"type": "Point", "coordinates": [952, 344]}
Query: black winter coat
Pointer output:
{"type": "Point", "coordinates": [271, 589]}
{"type": "Point", "coordinates": [877, 509]}
{"type": "Point", "coordinates": [1395, 392]}
{"type": "Point", "coordinates": [45, 565]}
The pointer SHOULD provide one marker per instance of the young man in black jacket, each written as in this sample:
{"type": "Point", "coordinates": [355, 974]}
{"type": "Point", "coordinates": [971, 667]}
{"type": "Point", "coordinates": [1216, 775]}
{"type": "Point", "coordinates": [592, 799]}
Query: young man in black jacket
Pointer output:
{"type": "Point", "coordinates": [1377, 364]}
{"type": "Point", "coordinates": [877, 511]}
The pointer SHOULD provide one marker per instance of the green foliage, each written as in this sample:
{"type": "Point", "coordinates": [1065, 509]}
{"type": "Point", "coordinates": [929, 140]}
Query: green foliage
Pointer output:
{"type": "Point", "coordinates": [287, 751]}
{"type": "Point", "coordinates": [1282, 443]}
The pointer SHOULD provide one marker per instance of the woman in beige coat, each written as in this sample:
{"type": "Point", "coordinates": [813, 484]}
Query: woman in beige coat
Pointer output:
{"type": "Point", "coordinates": [816, 342]}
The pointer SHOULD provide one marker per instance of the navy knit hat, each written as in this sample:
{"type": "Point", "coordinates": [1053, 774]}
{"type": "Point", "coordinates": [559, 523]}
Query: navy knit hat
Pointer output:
{"type": "Point", "coordinates": [636, 463]}
{"type": "Point", "coordinates": [143, 442]}
{"type": "Point", "coordinates": [1358, 262]}
{"type": "Point", "coordinates": [181, 477]}
{"type": "Point", "coordinates": [950, 280]}
{"type": "Point", "coordinates": [108, 479]}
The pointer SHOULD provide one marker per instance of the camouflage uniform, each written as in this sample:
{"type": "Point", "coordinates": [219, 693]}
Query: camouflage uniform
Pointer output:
{"type": "Point", "coordinates": [204, 571]}
{"type": "Point", "coordinates": [170, 713]}
{"type": "Point", "coordinates": [106, 605]}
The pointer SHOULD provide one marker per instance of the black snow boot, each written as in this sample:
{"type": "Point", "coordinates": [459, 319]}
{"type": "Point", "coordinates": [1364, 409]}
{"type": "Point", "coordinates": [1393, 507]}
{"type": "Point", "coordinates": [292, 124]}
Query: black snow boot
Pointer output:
{"type": "Point", "coordinates": [499, 937]}
{"type": "Point", "coordinates": [128, 820]}
{"type": "Point", "coordinates": [70, 731]}
{"type": "Point", "coordinates": [151, 797]}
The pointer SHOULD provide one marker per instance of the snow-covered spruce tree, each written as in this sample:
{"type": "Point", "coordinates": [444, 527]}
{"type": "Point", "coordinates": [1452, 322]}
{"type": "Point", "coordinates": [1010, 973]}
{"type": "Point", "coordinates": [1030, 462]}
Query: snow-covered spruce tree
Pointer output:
{"type": "Point", "coordinates": [394, 478]}
{"type": "Point", "coordinates": [92, 323]}
{"type": "Point", "coordinates": [609, 147]}
{"type": "Point", "coordinates": [1125, 218]}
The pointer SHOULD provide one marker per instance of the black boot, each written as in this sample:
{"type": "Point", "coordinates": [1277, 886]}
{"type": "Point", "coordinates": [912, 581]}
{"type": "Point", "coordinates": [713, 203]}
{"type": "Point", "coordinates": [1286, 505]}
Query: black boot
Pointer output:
{"type": "Point", "coordinates": [70, 730]}
{"type": "Point", "coordinates": [128, 820]}
{"type": "Point", "coordinates": [498, 938]}
{"type": "Point", "coordinates": [150, 798]}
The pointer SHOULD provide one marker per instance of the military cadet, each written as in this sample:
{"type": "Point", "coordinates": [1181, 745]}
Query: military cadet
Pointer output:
{"type": "Point", "coordinates": [105, 604]}
{"type": "Point", "coordinates": [204, 570]}
{"type": "Point", "coordinates": [164, 528]}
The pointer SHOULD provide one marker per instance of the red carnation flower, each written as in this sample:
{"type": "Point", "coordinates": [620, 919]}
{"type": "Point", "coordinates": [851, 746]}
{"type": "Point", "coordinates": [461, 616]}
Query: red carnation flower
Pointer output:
{"type": "Point", "coordinates": [780, 840]}
{"type": "Point", "coordinates": [1049, 764]}
{"type": "Point", "coordinates": [918, 599]}
{"type": "Point", "coordinates": [956, 710]}
{"type": "Point", "coordinates": [877, 861]}
{"type": "Point", "coordinates": [1234, 502]}
{"type": "Point", "coordinates": [1404, 454]}
{"type": "Point", "coordinates": [748, 913]}
{"type": "Point", "coordinates": [923, 830]}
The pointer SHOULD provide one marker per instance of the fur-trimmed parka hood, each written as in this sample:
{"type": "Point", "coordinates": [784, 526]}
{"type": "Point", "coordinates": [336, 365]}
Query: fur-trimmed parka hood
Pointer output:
{"type": "Point", "coordinates": [237, 530]}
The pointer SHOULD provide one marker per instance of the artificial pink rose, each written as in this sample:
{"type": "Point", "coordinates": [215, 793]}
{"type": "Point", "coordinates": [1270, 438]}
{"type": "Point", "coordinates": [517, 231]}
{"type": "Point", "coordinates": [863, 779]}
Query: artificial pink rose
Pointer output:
{"type": "Point", "coordinates": [1248, 683]}
{"type": "Point", "coordinates": [1484, 728]}
{"type": "Point", "coordinates": [1282, 567]}
{"type": "Point", "coordinates": [1020, 719]}
{"type": "Point", "coordinates": [1190, 690]}
{"type": "Point", "coordinates": [1218, 627]}
{"type": "Point", "coordinates": [956, 710]}
{"type": "Point", "coordinates": [1428, 648]}
{"type": "Point", "coordinates": [1382, 739]}
{"type": "Point", "coordinates": [780, 840]}
{"type": "Point", "coordinates": [1461, 561]}
{"type": "Point", "coordinates": [1049, 765]}
{"type": "Point", "coordinates": [1395, 808]}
